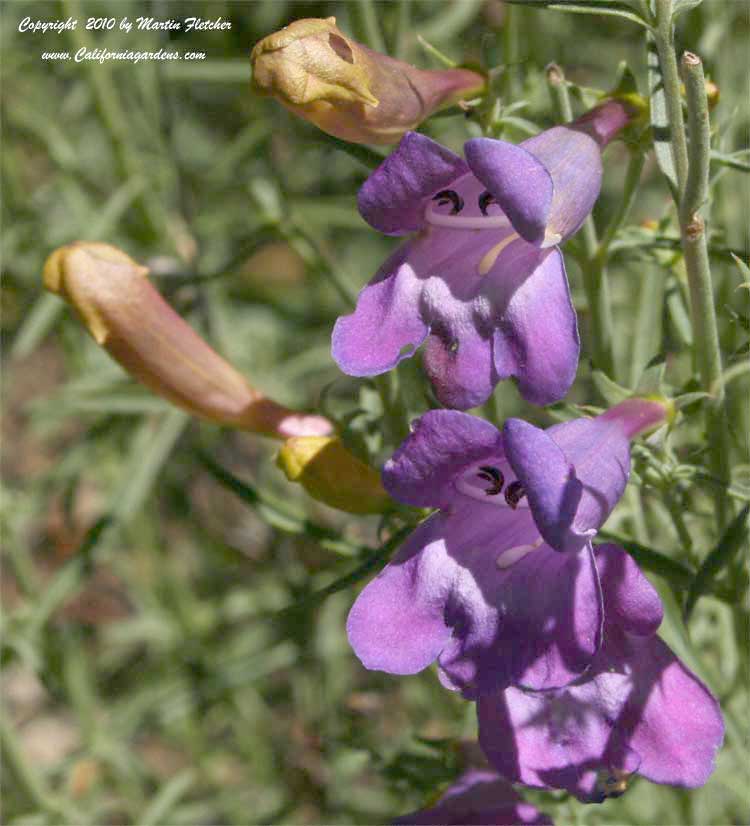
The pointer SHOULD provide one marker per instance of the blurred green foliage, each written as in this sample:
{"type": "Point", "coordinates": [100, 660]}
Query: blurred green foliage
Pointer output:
{"type": "Point", "coordinates": [167, 655]}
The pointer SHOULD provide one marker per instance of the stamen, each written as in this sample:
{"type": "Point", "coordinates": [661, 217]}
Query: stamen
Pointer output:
{"type": "Point", "coordinates": [514, 493]}
{"type": "Point", "coordinates": [490, 257]}
{"type": "Point", "coordinates": [485, 199]}
{"type": "Point", "coordinates": [493, 475]}
{"type": "Point", "coordinates": [450, 196]}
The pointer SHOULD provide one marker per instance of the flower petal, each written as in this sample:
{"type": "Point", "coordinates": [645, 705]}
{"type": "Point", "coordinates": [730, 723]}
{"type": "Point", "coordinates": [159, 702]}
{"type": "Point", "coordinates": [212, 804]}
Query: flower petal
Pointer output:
{"type": "Point", "coordinates": [642, 711]}
{"type": "Point", "coordinates": [460, 366]}
{"type": "Point", "coordinates": [537, 337]}
{"type": "Point", "coordinates": [397, 623]}
{"type": "Point", "coordinates": [573, 160]}
{"type": "Point", "coordinates": [574, 474]}
{"type": "Point", "coordinates": [639, 710]}
{"type": "Point", "coordinates": [519, 182]}
{"type": "Point", "coordinates": [442, 443]}
{"type": "Point", "coordinates": [392, 199]}
{"type": "Point", "coordinates": [671, 720]}
{"type": "Point", "coordinates": [549, 480]}
{"type": "Point", "coordinates": [386, 325]}
{"type": "Point", "coordinates": [536, 623]}
{"type": "Point", "coordinates": [630, 600]}
{"type": "Point", "coordinates": [478, 797]}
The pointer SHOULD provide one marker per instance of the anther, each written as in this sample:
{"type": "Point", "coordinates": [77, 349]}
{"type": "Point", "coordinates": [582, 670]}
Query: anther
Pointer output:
{"type": "Point", "coordinates": [485, 199]}
{"type": "Point", "coordinates": [514, 493]}
{"type": "Point", "coordinates": [450, 196]}
{"type": "Point", "coordinates": [494, 476]}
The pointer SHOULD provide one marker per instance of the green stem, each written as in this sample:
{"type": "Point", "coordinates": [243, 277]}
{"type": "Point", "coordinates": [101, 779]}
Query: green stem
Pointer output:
{"type": "Point", "coordinates": [368, 20]}
{"type": "Point", "coordinates": [594, 265]}
{"type": "Point", "coordinates": [671, 77]}
{"type": "Point", "coordinates": [692, 168]}
{"type": "Point", "coordinates": [625, 203]}
{"type": "Point", "coordinates": [395, 415]}
{"type": "Point", "coordinates": [699, 153]}
{"type": "Point", "coordinates": [404, 32]}
{"type": "Point", "coordinates": [511, 55]}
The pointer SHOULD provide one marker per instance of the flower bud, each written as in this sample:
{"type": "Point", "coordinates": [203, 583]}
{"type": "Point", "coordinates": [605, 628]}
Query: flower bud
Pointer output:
{"type": "Point", "coordinates": [640, 415]}
{"type": "Point", "coordinates": [127, 316]}
{"type": "Point", "coordinates": [333, 475]}
{"type": "Point", "coordinates": [348, 90]}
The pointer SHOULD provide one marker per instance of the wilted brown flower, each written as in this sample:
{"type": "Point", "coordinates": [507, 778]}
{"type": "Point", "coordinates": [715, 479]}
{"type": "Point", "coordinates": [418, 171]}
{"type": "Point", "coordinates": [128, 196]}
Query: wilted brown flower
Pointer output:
{"type": "Point", "coordinates": [348, 90]}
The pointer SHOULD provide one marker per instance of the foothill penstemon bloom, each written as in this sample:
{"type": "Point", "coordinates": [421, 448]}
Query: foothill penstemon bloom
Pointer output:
{"type": "Point", "coordinates": [499, 585]}
{"type": "Point", "coordinates": [554, 638]}
{"type": "Point", "coordinates": [482, 281]}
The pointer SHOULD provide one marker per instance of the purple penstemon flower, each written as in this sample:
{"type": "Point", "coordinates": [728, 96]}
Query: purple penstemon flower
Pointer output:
{"type": "Point", "coordinates": [483, 281]}
{"type": "Point", "coordinates": [499, 586]}
{"type": "Point", "coordinates": [637, 710]}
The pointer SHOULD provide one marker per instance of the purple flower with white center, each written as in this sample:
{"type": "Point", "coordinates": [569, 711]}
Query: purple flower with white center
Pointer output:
{"type": "Point", "coordinates": [500, 585]}
{"type": "Point", "coordinates": [483, 281]}
{"type": "Point", "coordinates": [478, 797]}
{"type": "Point", "coordinates": [637, 710]}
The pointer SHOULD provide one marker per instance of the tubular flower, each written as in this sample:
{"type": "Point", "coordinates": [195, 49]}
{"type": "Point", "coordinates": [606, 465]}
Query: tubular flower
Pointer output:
{"type": "Point", "coordinates": [499, 586]}
{"type": "Point", "coordinates": [127, 316]}
{"type": "Point", "coordinates": [348, 90]}
{"type": "Point", "coordinates": [637, 710]}
{"type": "Point", "coordinates": [483, 282]}
{"type": "Point", "coordinates": [478, 797]}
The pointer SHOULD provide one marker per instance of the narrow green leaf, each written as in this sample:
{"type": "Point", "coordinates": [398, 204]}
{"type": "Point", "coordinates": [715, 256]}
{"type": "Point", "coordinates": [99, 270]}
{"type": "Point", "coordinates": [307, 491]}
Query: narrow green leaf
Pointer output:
{"type": "Point", "coordinates": [37, 324]}
{"type": "Point", "coordinates": [609, 390]}
{"type": "Point", "coordinates": [686, 399]}
{"type": "Point", "coordinates": [167, 798]}
{"type": "Point", "coordinates": [652, 379]}
{"type": "Point", "coordinates": [744, 269]}
{"type": "Point", "coordinates": [273, 512]}
{"type": "Point", "coordinates": [681, 6]}
{"type": "Point", "coordinates": [150, 449]}
{"type": "Point", "coordinates": [453, 19]}
{"type": "Point", "coordinates": [229, 70]}
{"type": "Point", "coordinates": [731, 160]}
{"type": "Point", "coordinates": [730, 374]}
{"type": "Point", "coordinates": [734, 538]}
{"type": "Point", "coordinates": [676, 573]}
{"type": "Point", "coordinates": [606, 7]}
{"type": "Point", "coordinates": [659, 118]}
{"type": "Point", "coordinates": [369, 158]}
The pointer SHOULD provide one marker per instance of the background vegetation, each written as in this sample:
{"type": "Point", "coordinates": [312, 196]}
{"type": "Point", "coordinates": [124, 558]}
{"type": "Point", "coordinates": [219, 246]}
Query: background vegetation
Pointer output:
{"type": "Point", "coordinates": [168, 656]}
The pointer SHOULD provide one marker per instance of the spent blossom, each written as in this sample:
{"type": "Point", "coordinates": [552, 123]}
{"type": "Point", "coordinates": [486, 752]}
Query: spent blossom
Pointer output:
{"type": "Point", "coordinates": [638, 710]}
{"type": "Point", "coordinates": [126, 315]}
{"type": "Point", "coordinates": [499, 586]}
{"type": "Point", "coordinates": [483, 281]}
{"type": "Point", "coordinates": [348, 90]}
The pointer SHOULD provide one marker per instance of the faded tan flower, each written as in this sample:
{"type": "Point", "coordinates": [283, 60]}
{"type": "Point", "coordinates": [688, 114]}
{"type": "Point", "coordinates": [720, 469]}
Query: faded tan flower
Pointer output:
{"type": "Point", "coordinates": [127, 316]}
{"type": "Point", "coordinates": [348, 90]}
